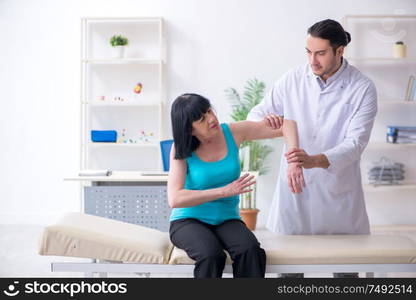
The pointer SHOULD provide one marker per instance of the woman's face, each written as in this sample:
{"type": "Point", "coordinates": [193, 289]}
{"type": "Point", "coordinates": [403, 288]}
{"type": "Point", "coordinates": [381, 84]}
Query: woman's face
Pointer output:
{"type": "Point", "coordinates": [207, 126]}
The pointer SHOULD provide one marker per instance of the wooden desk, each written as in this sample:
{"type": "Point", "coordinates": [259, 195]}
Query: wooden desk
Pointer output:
{"type": "Point", "coordinates": [127, 196]}
{"type": "Point", "coordinates": [120, 176]}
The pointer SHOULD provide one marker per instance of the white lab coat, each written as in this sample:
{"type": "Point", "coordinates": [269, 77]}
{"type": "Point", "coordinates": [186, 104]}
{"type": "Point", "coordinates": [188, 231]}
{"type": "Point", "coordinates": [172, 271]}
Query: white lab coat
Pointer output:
{"type": "Point", "coordinates": [336, 121]}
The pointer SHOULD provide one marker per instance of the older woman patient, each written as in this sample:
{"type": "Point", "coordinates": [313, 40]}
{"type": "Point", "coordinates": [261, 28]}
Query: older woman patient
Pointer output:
{"type": "Point", "coordinates": [204, 186]}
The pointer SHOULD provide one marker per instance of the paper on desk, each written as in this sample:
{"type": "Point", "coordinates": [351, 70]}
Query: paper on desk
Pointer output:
{"type": "Point", "coordinates": [95, 172]}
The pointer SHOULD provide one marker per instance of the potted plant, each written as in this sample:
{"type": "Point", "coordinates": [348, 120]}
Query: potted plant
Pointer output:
{"type": "Point", "coordinates": [252, 153]}
{"type": "Point", "coordinates": [119, 42]}
{"type": "Point", "coordinates": [248, 209]}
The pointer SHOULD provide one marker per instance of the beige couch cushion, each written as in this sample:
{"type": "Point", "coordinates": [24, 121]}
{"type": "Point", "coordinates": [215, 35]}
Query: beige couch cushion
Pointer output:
{"type": "Point", "coordinates": [397, 230]}
{"type": "Point", "coordinates": [83, 235]}
{"type": "Point", "coordinates": [338, 249]}
{"type": "Point", "coordinates": [87, 236]}
{"type": "Point", "coordinates": [328, 249]}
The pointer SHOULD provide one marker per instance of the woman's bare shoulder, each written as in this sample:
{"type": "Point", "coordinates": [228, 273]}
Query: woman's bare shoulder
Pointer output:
{"type": "Point", "coordinates": [238, 130]}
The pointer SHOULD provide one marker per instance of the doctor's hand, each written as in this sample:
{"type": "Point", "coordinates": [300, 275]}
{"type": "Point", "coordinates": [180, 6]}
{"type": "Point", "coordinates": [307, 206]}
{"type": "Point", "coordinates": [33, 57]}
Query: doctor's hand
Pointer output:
{"type": "Point", "coordinates": [300, 157]}
{"type": "Point", "coordinates": [273, 121]}
{"type": "Point", "coordinates": [295, 178]}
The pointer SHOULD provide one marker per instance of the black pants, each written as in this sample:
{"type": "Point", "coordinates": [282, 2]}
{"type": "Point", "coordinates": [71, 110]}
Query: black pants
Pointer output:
{"type": "Point", "coordinates": [205, 243]}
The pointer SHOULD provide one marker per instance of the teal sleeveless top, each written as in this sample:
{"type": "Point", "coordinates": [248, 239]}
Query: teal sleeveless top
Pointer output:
{"type": "Point", "coordinates": [202, 175]}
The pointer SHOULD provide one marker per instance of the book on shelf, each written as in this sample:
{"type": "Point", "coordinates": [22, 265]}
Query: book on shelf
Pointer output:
{"type": "Point", "coordinates": [88, 172]}
{"type": "Point", "coordinates": [401, 134]}
{"type": "Point", "coordinates": [411, 89]}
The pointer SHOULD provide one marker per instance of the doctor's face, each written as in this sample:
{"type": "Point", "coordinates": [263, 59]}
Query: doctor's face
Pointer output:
{"type": "Point", "coordinates": [322, 59]}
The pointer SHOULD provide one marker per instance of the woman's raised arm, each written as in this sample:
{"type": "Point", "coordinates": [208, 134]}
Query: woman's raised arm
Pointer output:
{"type": "Point", "coordinates": [270, 127]}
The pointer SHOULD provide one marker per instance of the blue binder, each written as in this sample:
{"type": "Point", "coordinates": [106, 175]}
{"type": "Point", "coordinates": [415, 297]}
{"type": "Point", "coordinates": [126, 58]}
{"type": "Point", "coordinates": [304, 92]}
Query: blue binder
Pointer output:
{"type": "Point", "coordinates": [104, 136]}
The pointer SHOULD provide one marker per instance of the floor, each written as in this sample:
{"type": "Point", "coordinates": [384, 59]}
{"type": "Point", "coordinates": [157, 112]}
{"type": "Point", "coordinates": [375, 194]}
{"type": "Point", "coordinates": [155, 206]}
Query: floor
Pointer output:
{"type": "Point", "coordinates": [19, 258]}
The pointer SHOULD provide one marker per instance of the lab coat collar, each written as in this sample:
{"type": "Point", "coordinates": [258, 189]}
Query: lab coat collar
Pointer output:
{"type": "Point", "coordinates": [341, 74]}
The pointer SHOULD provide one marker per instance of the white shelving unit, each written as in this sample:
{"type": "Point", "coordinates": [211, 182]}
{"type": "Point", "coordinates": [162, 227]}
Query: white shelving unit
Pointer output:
{"type": "Point", "coordinates": [382, 59]}
{"type": "Point", "coordinates": [389, 146]}
{"type": "Point", "coordinates": [107, 98]}
{"type": "Point", "coordinates": [389, 188]}
{"type": "Point", "coordinates": [371, 51]}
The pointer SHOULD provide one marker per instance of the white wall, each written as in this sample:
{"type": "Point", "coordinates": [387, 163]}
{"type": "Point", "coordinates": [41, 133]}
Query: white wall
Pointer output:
{"type": "Point", "coordinates": [212, 45]}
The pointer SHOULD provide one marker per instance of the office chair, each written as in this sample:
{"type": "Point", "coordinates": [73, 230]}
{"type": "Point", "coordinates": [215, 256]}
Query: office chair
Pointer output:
{"type": "Point", "coordinates": [165, 147]}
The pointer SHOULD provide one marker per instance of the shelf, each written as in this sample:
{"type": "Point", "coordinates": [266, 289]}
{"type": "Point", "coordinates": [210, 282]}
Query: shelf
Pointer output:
{"type": "Point", "coordinates": [382, 59]}
{"type": "Point", "coordinates": [128, 20]}
{"type": "Point", "coordinates": [104, 75]}
{"type": "Point", "coordinates": [380, 16]}
{"type": "Point", "coordinates": [387, 188]}
{"type": "Point", "coordinates": [372, 52]}
{"type": "Point", "coordinates": [395, 102]}
{"type": "Point", "coordinates": [388, 146]}
{"type": "Point", "coordinates": [120, 61]}
{"type": "Point", "coordinates": [130, 105]}
{"type": "Point", "coordinates": [133, 145]}
{"type": "Point", "coordinates": [389, 105]}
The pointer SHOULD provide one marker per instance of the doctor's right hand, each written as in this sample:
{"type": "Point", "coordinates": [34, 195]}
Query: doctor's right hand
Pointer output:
{"type": "Point", "coordinates": [295, 178]}
{"type": "Point", "coordinates": [273, 121]}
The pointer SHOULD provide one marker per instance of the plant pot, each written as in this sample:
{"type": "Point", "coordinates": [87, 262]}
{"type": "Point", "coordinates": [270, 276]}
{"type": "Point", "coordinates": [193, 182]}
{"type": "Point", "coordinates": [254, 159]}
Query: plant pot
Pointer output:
{"type": "Point", "coordinates": [249, 217]}
{"type": "Point", "coordinates": [119, 51]}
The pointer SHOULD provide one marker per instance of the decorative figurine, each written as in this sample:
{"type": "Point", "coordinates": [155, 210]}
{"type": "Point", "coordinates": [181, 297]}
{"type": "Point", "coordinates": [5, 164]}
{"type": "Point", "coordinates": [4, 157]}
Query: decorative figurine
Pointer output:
{"type": "Point", "coordinates": [138, 88]}
{"type": "Point", "coordinates": [146, 137]}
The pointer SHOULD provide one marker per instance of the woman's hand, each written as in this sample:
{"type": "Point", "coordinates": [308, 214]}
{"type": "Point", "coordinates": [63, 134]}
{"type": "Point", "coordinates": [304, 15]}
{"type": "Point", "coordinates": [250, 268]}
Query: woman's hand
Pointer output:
{"type": "Point", "coordinates": [295, 178]}
{"type": "Point", "coordinates": [273, 121]}
{"type": "Point", "coordinates": [239, 186]}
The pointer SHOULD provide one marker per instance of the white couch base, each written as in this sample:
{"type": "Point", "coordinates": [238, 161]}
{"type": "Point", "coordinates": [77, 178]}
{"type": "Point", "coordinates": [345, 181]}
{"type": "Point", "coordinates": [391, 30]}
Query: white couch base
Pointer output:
{"type": "Point", "coordinates": [103, 268]}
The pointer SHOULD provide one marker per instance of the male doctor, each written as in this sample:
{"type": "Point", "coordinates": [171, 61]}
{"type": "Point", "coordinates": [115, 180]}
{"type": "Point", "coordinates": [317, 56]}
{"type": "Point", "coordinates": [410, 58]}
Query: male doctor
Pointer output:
{"type": "Point", "coordinates": [334, 106]}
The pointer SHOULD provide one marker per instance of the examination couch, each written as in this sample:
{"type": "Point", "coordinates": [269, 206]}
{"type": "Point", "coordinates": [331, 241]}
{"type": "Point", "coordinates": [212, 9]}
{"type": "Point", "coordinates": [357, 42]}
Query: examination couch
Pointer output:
{"type": "Point", "coordinates": [119, 247]}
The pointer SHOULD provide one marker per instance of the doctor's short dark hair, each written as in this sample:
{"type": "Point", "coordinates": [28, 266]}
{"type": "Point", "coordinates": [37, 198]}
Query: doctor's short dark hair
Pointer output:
{"type": "Point", "coordinates": [186, 109]}
{"type": "Point", "coordinates": [330, 30]}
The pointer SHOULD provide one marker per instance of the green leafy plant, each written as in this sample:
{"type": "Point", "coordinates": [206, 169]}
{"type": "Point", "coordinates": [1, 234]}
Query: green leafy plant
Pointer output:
{"type": "Point", "coordinates": [118, 40]}
{"type": "Point", "coordinates": [252, 95]}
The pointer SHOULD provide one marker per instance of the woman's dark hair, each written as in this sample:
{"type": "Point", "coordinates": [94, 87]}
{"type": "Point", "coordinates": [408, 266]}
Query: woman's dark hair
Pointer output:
{"type": "Point", "coordinates": [186, 109]}
{"type": "Point", "coordinates": [330, 30]}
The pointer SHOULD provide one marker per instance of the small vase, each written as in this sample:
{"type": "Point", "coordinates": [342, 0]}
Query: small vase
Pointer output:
{"type": "Point", "coordinates": [399, 51]}
{"type": "Point", "coordinates": [249, 217]}
{"type": "Point", "coordinates": [119, 51]}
